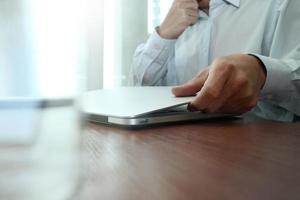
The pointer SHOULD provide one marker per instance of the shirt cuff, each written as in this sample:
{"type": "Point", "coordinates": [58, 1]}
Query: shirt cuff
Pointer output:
{"type": "Point", "coordinates": [277, 77]}
{"type": "Point", "coordinates": [159, 49]}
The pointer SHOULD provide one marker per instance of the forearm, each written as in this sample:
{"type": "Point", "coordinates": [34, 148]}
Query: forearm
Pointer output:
{"type": "Point", "coordinates": [150, 61]}
{"type": "Point", "coordinates": [282, 87]}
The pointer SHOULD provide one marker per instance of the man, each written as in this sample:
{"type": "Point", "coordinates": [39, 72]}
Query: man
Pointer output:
{"type": "Point", "coordinates": [235, 55]}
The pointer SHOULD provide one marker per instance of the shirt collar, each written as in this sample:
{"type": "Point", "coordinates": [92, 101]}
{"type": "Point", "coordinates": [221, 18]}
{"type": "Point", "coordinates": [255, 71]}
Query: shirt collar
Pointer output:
{"type": "Point", "coordinates": [235, 3]}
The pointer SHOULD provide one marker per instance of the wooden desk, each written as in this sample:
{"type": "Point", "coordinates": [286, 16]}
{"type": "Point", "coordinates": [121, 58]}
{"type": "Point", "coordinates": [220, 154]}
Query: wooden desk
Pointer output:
{"type": "Point", "coordinates": [236, 159]}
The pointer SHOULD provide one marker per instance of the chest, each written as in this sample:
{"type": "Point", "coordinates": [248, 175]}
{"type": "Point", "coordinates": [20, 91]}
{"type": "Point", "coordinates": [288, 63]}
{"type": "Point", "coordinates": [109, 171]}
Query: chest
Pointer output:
{"type": "Point", "coordinates": [228, 30]}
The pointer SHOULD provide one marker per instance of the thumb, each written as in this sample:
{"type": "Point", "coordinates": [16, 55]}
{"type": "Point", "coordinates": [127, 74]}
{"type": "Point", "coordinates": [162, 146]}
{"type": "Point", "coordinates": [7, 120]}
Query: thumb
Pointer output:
{"type": "Point", "coordinates": [192, 87]}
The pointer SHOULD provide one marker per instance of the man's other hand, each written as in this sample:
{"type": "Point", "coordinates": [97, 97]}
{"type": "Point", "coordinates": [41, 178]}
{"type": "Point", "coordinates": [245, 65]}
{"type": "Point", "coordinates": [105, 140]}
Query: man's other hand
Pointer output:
{"type": "Point", "coordinates": [231, 84]}
{"type": "Point", "coordinates": [182, 14]}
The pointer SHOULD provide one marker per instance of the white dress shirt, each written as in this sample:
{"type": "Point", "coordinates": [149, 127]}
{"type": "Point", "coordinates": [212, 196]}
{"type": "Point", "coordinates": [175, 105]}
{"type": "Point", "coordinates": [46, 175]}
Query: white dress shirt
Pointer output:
{"type": "Point", "coordinates": [269, 29]}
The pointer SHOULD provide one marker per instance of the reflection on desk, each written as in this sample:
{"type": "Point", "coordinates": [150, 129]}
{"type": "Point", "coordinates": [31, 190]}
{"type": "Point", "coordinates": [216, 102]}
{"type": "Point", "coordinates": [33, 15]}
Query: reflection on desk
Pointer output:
{"type": "Point", "coordinates": [238, 159]}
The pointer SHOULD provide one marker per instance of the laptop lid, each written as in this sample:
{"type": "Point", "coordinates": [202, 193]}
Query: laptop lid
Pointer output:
{"type": "Point", "coordinates": [139, 106]}
{"type": "Point", "coordinates": [130, 102]}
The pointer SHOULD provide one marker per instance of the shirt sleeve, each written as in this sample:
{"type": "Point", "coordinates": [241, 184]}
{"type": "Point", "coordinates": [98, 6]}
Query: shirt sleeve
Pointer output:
{"type": "Point", "coordinates": [282, 87]}
{"type": "Point", "coordinates": [150, 61]}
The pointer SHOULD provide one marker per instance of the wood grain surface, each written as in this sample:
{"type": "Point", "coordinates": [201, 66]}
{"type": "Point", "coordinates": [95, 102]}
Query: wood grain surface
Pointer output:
{"type": "Point", "coordinates": [211, 160]}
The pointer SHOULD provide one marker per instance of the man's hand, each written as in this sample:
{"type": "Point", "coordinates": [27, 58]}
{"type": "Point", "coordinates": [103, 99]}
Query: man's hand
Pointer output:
{"type": "Point", "coordinates": [182, 14]}
{"type": "Point", "coordinates": [231, 84]}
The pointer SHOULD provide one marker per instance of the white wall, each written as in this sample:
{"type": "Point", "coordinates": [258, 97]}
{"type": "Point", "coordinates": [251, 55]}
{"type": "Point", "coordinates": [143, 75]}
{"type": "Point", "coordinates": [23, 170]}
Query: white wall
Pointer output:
{"type": "Point", "coordinates": [125, 25]}
{"type": "Point", "coordinates": [40, 44]}
{"type": "Point", "coordinates": [94, 11]}
{"type": "Point", "coordinates": [16, 67]}
{"type": "Point", "coordinates": [134, 24]}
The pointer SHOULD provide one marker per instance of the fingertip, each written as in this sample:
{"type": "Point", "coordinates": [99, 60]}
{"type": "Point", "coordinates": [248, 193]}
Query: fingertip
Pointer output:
{"type": "Point", "coordinates": [177, 91]}
{"type": "Point", "coordinates": [192, 108]}
{"type": "Point", "coordinates": [185, 90]}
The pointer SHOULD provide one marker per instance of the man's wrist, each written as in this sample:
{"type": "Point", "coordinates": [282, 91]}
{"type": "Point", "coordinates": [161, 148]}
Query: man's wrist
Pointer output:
{"type": "Point", "coordinates": [157, 29]}
{"type": "Point", "coordinates": [262, 66]}
{"type": "Point", "coordinates": [278, 76]}
{"type": "Point", "coordinates": [164, 35]}
{"type": "Point", "coordinates": [158, 34]}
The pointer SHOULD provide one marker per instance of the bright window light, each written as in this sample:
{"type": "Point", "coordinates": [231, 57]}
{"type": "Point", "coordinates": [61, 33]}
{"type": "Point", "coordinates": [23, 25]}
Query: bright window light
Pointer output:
{"type": "Point", "coordinates": [109, 44]}
{"type": "Point", "coordinates": [56, 38]}
{"type": "Point", "coordinates": [157, 11]}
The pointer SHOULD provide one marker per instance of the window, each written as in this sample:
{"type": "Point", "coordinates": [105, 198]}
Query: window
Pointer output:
{"type": "Point", "coordinates": [40, 47]}
{"type": "Point", "coordinates": [126, 25]}
{"type": "Point", "coordinates": [55, 37]}
{"type": "Point", "coordinates": [157, 10]}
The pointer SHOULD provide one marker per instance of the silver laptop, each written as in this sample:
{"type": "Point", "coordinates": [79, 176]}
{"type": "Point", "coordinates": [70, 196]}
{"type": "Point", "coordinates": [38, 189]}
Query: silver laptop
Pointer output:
{"type": "Point", "coordinates": [139, 106]}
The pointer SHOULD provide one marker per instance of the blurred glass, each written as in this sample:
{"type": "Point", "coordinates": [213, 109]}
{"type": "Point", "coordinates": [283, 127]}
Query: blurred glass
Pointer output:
{"type": "Point", "coordinates": [41, 74]}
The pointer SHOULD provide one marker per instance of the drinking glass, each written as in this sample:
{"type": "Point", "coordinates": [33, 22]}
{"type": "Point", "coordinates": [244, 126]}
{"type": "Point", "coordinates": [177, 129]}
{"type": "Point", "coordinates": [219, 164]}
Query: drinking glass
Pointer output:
{"type": "Point", "coordinates": [40, 65]}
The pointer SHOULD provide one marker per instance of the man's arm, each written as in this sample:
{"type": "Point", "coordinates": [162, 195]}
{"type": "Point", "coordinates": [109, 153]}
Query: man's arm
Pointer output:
{"type": "Point", "coordinates": [231, 84]}
{"type": "Point", "coordinates": [282, 86]}
{"type": "Point", "coordinates": [151, 60]}
{"type": "Point", "coordinates": [235, 83]}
